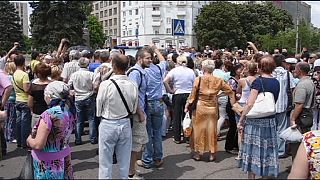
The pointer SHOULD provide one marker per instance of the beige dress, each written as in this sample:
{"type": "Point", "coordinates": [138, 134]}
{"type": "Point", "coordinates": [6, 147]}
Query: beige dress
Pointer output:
{"type": "Point", "coordinates": [206, 115]}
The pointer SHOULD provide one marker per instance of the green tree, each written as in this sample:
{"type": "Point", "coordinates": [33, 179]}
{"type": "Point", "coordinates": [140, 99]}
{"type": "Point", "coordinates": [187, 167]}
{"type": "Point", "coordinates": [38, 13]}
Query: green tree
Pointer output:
{"type": "Point", "coordinates": [97, 36]}
{"type": "Point", "coordinates": [53, 20]}
{"type": "Point", "coordinates": [10, 28]}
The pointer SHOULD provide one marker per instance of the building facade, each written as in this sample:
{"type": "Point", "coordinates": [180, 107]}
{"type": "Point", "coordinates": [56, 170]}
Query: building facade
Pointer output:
{"type": "Point", "coordinates": [145, 22]}
{"type": "Point", "coordinates": [108, 13]}
{"type": "Point", "coordinates": [22, 9]}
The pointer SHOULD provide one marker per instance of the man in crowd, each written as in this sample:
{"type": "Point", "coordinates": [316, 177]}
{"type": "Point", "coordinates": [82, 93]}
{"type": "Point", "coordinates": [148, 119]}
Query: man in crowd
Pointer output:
{"type": "Point", "coordinates": [5, 56]}
{"type": "Point", "coordinates": [139, 132]}
{"type": "Point", "coordinates": [96, 61]}
{"type": "Point", "coordinates": [153, 153]}
{"type": "Point", "coordinates": [82, 83]}
{"type": "Point", "coordinates": [72, 66]}
{"type": "Point", "coordinates": [115, 128]}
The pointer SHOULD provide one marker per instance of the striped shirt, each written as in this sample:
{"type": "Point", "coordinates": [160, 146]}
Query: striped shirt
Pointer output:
{"type": "Point", "coordinates": [281, 75]}
{"type": "Point", "coordinates": [69, 68]}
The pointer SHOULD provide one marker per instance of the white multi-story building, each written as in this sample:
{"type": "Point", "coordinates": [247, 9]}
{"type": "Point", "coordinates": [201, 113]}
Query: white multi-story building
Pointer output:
{"type": "Point", "coordinates": [108, 13]}
{"type": "Point", "coordinates": [22, 9]}
{"type": "Point", "coordinates": [145, 22]}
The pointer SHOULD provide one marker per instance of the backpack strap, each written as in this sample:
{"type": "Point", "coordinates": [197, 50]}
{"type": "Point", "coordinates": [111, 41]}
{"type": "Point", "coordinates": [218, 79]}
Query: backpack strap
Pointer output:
{"type": "Point", "coordinates": [159, 70]}
{"type": "Point", "coordinates": [132, 69]}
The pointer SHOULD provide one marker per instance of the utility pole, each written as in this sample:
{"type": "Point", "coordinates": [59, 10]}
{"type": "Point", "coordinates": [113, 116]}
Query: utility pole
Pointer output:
{"type": "Point", "coordinates": [297, 28]}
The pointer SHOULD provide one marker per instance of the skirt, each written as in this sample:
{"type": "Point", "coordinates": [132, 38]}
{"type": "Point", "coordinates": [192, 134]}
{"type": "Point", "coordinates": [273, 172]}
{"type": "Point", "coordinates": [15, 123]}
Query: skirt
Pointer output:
{"type": "Point", "coordinates": [10, 125]}
{"type": "Point", "coordinates": [259, 151]}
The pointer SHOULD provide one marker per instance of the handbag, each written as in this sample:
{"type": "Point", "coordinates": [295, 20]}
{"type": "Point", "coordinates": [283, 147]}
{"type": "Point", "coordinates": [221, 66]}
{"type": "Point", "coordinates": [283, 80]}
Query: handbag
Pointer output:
{"type": "Point", "coordinates": [305, 119]}
{"type": "Point", "coordinates": [264, 105]}
{"type": "Point", "coordinates": [291, 135]}
{"type": "Point", "coordinates": [27, 168]}
{"type": "Point", "coordinates": [193, 106]}
{"type": "Point", "coordinates": [187, 125]}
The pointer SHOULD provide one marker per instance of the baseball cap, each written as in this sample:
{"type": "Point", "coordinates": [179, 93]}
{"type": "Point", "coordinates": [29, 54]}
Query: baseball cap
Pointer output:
{"type": "Point", "coordinates": [83, 62]}
{"type": "Point", "coordinates": [291, 60]}
{"type": "Point", "coordinates": [316, 63]}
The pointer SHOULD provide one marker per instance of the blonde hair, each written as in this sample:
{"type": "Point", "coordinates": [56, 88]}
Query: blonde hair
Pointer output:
{"type": "Point", "coordinates": [182, 60]}
{"type": "Point", "coordinates": [208, 65]}
{"type": "Point", "coordinates": [10, 68]}
{"type": "Point", "coordinates": [55, 72]}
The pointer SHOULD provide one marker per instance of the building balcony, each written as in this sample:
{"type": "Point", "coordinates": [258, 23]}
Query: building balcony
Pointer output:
{"type": "Point", "coordinates": [181, 13]}
{"type": "Point", "coordinates": [155, 13]}
{"type": "Point", "coordinates": [182, 3]}
{"type": "Point", "coordinates": [156, 3]}
{"type": "Point", "coordinates": [156, 23]}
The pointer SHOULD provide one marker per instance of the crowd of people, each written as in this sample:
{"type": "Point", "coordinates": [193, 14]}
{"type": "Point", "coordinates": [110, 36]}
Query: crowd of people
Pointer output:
{"type": "Point", "coordinates": [132, 102]}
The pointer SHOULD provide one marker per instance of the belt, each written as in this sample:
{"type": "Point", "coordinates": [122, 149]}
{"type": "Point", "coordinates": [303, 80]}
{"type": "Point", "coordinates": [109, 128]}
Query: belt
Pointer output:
{"type": "Point", "coordinates": [161, 100]}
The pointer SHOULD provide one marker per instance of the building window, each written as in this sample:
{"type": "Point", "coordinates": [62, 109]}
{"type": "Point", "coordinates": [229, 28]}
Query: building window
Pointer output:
{"type": "Point", "coordinates": [105, 3]}
{"type": "Point", "coordinates": [96, 6]}
{"type": "Point", "coordinates": [168, 30]}
{"type": "Point", "coordinates": [137, 11]}
{"type": "Point", "coordinates": [169, 20]}
{"type": "Point", "coordinates": [123, 33]}
{"type": "Point", "coordinates": [130, 12]}
{"type": "Point", "coordinates": [106, 32]}
{"type": "Point", "coordinates": [155, 8]}
{"type": "Point", "coordinates": [114, 11]}
{"type": "Point", "coordinates": [101, 4]}
{"type": "Point", "coordinates": [129, 3]}
{"type": "Point", "coordinates": [115, 21]}
{"type": "Point", "coordinates": [105, 13]}
{"type": "Point", "coordinates": [110, 12]}
{"type": "Point", "coordinates": [130, 32]}
{"type": "Point", "coordinates": [156, 31]}
{"type": "Point", "coordinates": [106, 23]}
{"type": "Point", "coordinates": [97, 15]}
{"type": "Point", "coordinates": [110, 3]}
{"type": "Point", "coordinates": [110, 32]}
{"type": "Point", "coordinates": [101, 14]}
{"type": "Point", "coordinates": [124, 4]}
{"type": "Point", "coordinates": [114, 2]}
{"type": "Point", "coordinates": [110, 22]}
{"type": "Point", "coordinates": [124, 14]}
{"type": "Point", "coordinates": [115, 32]}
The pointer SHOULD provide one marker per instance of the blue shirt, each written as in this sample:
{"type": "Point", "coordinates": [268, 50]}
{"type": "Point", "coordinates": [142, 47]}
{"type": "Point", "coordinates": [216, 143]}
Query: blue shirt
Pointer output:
{"type": "Point", "coordinates": [155, 84]}
{"type": "Point", "coordinates": [269, 84]}
{"type": "Point", "coordinates": [221, 74]}
{"type": "Point", "coordinates": [93, 66]}
{"type": "Point", "coordinates": [136, 78]}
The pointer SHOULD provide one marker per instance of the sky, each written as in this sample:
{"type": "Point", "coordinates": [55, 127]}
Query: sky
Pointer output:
{"type": "Point", "coordinates": [315, 12]}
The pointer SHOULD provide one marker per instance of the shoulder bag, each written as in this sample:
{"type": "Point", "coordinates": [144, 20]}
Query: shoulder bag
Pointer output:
{"type": "Point", "coordinates": [305, 119]}
{"type": "Point", "coordinates": [264, 105]}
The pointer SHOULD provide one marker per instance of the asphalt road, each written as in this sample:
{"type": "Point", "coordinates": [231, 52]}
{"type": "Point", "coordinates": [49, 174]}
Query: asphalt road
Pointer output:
{"type": "Point", "coordinates": [177, 163]}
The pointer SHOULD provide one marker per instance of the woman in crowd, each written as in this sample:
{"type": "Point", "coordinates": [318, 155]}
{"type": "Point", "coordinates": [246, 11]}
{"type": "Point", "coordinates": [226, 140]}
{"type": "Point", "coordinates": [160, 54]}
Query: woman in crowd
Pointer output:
{"type": "Point", "coordinates": [205, 117]}
{"type": "Point", "coordinates": [306, 164]}
{"type": "Point", "coordinates": [36, 100]}
{"type": "Point", "coordinates": [10, 125]}
{"type": "Point", "coordinates": [259, 151]}
{"type": "Point", "coordinates": [55, 73]}
{"type": "Point", "coordinates": [49, 139]}
{"type": "Point", "coordinates": [231, 144]}
{"type": "Point", "coordinates": [182, 78]}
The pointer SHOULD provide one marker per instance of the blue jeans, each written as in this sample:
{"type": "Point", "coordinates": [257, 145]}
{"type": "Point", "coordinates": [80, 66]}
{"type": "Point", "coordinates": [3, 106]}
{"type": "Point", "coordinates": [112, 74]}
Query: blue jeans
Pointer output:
{"type": "Point", "coordinates": [153, 149]}
{"type": "Point", "coordinates": [23, 123]}
{"type": "Point", "coordinates": [115, 135]}
{"type": "Point", "coordinates": [86, 108]}
{"type": "Point", "coordinates": [282, 124]}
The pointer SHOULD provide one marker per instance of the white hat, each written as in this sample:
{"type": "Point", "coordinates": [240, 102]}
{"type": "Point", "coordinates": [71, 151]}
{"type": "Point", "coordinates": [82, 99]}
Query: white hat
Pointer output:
{"type": "Point", "coordinates": [316, 63]}
{"type": "Point", "coordinates": [291, 60]}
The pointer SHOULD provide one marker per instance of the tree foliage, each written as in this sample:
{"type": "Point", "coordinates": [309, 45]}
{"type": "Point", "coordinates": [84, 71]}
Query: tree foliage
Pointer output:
{"type": "Point", "coordinates": [10, 28]}
{"type": "Point", "coordinates": [225, 24]}
{"type": "Point", "coordinates": [53, 20]}
{"type": "Point", "coordinates": [97, 36]}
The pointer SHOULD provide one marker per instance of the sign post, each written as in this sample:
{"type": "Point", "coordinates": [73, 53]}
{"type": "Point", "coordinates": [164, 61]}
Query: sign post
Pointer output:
{"type": "Point", "coordinates": [178, 29]}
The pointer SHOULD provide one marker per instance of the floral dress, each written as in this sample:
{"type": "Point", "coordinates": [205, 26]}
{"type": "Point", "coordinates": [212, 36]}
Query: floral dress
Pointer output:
{"type": "Point", "coordinates": [311, 142]}
{"type": "Point", "coordinates": [60, 123]}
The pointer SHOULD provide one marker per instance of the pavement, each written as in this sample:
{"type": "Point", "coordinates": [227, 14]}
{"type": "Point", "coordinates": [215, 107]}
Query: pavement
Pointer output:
{"type": "Point", "coordinates": [178, 163]}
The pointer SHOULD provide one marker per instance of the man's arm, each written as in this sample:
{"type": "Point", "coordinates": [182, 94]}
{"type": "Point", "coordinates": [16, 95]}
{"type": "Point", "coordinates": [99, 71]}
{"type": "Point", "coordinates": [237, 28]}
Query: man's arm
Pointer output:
{"type": "Point", "coordinates": [296, 112]}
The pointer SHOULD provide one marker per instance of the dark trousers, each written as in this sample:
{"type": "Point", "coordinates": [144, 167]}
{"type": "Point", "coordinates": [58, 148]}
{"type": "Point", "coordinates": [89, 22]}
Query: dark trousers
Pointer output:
{"type": "Point", "coordinates": [179, 102]}
{"type": "Point", "coordinates": [232, 135]}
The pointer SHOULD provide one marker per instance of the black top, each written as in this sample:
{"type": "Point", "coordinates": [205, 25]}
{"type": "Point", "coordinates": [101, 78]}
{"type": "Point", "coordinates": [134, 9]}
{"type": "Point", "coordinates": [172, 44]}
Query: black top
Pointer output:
{"type": "Point", "coordinates": [37, 92]}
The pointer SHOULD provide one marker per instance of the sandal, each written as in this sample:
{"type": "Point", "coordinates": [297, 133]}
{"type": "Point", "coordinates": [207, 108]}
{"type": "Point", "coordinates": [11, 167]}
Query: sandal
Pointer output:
{"type": "Point", "coordinates": [212, 158]}
{"type": "Point", "coordinates": [196, 157]}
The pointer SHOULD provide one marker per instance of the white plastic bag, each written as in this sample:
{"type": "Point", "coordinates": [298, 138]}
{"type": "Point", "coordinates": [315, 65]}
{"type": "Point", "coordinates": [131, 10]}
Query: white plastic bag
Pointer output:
{"type": "Point", "coordinates": [291, 135]}
{"type": "Point", "coordinates": [186, 121]}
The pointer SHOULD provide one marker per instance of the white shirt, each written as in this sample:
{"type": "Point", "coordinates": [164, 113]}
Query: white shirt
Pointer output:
{"type": "Point", "coordinates": [69, 68]}
{"type": "Point", "coordinates": [82, 82]}
{"type": "Point", "coordinates": [97, 73]}
{"type": "Point", "coordinates": [182, 78]}
{"type": "Point", "coordinates": [109, 104]}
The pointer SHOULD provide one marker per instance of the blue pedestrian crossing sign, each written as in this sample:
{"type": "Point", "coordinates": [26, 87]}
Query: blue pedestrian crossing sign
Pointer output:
{"type": "Point", "coordinates": [178, 27]}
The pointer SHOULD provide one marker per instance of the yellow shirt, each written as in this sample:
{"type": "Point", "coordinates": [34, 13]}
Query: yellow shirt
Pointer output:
{"type": "Point", "coordinates": [33, 64]}
{"type": "Point", "coordinates": [20, 78]}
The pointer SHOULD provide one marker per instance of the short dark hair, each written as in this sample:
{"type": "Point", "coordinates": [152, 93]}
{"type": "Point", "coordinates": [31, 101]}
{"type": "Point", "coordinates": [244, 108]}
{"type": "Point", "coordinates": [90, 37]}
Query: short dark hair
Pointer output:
{"type": "Point", "coordinates": [141, 53]}
{"type": "Point", "coordinates": [278, 59]}
{"type": "Point", "coordinates": [120, 61]}
{"type": "Point", "coordinates": [190, 63]}
{"type": "Point", "coordinates": [132, 60]}
{"type": "Point", "coordinates": [218, 63]}
{"type": "Point", "coordinates": [174, 57]}
{"type": "Point", "coordinates": [19, 60]}
{"type": "Point", "coordinates": [303, 67]}
{"type": "Point", "coordinates": [42, 70]}
{"type": "Point", "coordinates": [104, 56]}
{"type": "Point", "coordinates": [267, 64]}
{"type": "Point", "coordinates": [96, 55]}
{"type": "Point", "coordinates": [34, 55]}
